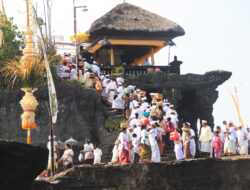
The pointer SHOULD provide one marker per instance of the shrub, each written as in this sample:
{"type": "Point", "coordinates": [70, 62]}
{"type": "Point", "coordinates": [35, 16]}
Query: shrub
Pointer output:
{"type": "Point", "coordinates": [113, 124]}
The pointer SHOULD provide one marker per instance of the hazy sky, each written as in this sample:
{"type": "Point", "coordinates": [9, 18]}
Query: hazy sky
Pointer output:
{"type": "Point", "coordinates": [217, 38]}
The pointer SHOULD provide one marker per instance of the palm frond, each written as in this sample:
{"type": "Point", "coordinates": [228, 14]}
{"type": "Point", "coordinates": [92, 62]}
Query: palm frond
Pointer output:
{"type": "Point", "coordinates": [28, 71]}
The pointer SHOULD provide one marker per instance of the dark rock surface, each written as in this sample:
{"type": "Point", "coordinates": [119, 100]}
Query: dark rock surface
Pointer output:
{"type": "Point", "coordinates": [79, 114]}
{"type": "Point", "coordinates": [20, 164]}
{"type": "Point", "coordinates": [202, 174]}
{"type": "Point", "coordinates": [82, 115]}
{"type": "Point", "coordinates": [192, 95]}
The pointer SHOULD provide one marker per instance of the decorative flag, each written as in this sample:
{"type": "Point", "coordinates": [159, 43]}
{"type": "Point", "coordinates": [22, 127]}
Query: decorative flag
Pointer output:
{"type": "Point", "coordinates": [51, 85]}
{"type": "Point", "coordinates": [52, 93]}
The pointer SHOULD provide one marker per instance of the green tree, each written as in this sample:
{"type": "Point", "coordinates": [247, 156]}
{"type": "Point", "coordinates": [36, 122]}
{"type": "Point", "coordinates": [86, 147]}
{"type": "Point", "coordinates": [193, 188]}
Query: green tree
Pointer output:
{"type": "Point", "coordinates": [13, 41]}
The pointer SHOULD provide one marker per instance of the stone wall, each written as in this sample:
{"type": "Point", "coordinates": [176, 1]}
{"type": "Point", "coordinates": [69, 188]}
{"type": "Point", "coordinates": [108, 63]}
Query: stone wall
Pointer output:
{"type": "Point", "coordinates": [203, 174]}
{"type": "Point", "coordinates": [20, 164]}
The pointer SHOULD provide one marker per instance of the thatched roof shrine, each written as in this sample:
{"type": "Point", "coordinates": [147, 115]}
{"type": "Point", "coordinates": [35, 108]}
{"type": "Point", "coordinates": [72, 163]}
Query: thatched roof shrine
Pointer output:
{"type": "Point", "coordinates": [130, 34]}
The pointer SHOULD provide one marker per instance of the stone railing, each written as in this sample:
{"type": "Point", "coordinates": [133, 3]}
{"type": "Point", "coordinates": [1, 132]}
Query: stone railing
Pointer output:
{"type": "Point", "coordinates": [134, 70]}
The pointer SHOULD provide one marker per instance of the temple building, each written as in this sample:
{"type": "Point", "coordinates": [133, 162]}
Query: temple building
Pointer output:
{"type": "Point", "coordinates": [129, 34]}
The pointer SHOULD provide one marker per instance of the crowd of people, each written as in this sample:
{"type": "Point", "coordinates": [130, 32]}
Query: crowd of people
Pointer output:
{"type": "Point", "coordinates": [152, 124]}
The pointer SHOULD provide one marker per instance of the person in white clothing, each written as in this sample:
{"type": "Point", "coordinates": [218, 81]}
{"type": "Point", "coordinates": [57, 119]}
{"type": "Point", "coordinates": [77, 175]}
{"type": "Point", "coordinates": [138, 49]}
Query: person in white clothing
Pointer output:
{"type": "Point", "coordinates": [135, 121]}
{"type": "Point", "coordinates": [97, 154]}
{"type": "Point", "coordinates": [96, 68]}
{"type": "Point", "coordinates": [224, 126]}
{"type": "Point", "coordinates": [242, 141]}
{"type": "Point", "coordinates": [230, 140]}
{"type": "Point", "coordinates": [206, 138]}
{"type": "Point", "coordinates": [174, 119]}
{"type": "Point", "coordinates": [73, 73]}
{"type": "Point", "coordinates": [65, 71]}
{"type": "Point", "coordinates": [67, 157]}
{"type": "Point", "coordinates": [155, 157]}
{"type": "Point", "coordinates": [123, 145]}
{"type": "Point", "coordinates": [112, 87]}
{"type": "Point", "coordinates": [178, 148]}
{"type": "Point", "coordinates": [88, 151]}
{"type": "Point", "coordinates": [86, 64]}
{"type": "Point", "coordinates": [135, 143]}
{"type": "Point", "coordinates": [119, 101]}
{"type": "Point", "coordinates": [144, 104]}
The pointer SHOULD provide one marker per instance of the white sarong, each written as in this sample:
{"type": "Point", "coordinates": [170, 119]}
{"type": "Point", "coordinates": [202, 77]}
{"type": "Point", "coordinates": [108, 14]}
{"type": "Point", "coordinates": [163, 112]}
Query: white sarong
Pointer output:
{"type": "Point", "coordinates": [206, 146]}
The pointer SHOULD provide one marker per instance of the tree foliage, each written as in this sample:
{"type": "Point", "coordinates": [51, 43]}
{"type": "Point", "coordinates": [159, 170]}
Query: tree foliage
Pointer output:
{"type": "Point", "coordinates": [13, 41]}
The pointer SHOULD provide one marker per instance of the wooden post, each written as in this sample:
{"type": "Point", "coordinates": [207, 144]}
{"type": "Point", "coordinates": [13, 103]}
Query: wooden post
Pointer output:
{"type": "Point", "coordinates": [153, 59]}
{"type": "Point", "coordinates": [112, 59]}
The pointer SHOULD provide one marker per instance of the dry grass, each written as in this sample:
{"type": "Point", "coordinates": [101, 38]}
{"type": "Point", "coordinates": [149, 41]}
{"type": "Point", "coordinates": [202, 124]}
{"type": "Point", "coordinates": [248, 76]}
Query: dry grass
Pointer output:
{"type": "Point", "coordinates": [29, 71]}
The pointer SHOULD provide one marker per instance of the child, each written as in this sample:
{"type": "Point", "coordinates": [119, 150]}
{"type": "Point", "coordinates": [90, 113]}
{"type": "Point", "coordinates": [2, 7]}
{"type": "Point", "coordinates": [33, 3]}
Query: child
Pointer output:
{"type": "Point", "coordinates": [217, 145]}
{"type": "Point", "coordinates": [135, 143]}
{"type": "Point", "coordinates": [97, 154]}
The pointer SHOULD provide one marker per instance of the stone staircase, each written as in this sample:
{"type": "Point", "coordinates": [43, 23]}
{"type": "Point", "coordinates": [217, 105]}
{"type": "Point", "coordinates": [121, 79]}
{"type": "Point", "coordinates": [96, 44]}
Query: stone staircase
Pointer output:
{"type": "Point", "coordinates": [168, 154]}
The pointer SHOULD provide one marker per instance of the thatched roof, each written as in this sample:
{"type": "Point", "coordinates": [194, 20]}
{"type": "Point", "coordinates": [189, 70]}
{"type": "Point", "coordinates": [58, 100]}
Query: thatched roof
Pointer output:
{"type": "Point", "coordinates": [130, 20]}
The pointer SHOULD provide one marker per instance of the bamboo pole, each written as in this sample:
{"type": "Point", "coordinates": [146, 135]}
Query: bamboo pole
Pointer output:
{"type": "Point", "coordinates": [237, 108]}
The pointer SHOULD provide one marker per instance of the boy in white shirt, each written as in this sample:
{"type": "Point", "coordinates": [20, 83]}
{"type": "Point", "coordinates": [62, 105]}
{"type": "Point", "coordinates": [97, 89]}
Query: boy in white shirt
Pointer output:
{"type": "Point", "coordinates": [97, 154]}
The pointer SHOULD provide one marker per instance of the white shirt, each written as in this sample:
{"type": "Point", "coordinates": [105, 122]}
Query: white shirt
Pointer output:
{"type": "Point", "coordinates": [86, 64]}
{"type": "Point", "coordinates": [241, 134]}
{"type": "Point", "coordinates": [97, 156]}
{"type": "Point", "coordinates": [96, 69]}
{"type": "Point", "coordinates": [73, 74]}
{"type": "Point", "coordinates": [144, 106]}
{"type": "Point", "coordinates": [206, 134]}
{"type": "Point", "coordinates": [89, 150]}
{"type": "Point", "coordinates": [172, 111]}
{"type": "Point", "coordinates": [174, 119]}
{"type": "Point", "coordinates": [68, 154]}
{"type": "Point", "coordinates": [65, 68]}
{"type": "Point", "coordinates": [135, 143]}
{"type": "Point", "coordinates": [120, 90]}
{"type": "Point", "coordinates": [132, 104]}
{"type": "Point", "coordinates": [137, 131]}
{"type": "Point", "coordinates": [232, 135]}
{"type": "Point", "coordinates": [123, 138]}
{"type": "Point", "coordinates": [144, 137]}
{"type": "Point", "coordinates": [134, 122]}
{"type": "Point", "coordinates": [223, 128]}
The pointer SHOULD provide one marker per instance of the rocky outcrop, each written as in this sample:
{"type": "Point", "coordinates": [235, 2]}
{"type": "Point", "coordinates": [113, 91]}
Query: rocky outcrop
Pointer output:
{"type": "Point", "coordinates": [193, 95]}
{"type": "Point", "coordinates": [203, 174]}
{"type": "Point", "coordinates": [82, 115]}
{"type": "Point", "coordinates": [79, 116]}
{"type": "Point", "coordinates": [20, 164]}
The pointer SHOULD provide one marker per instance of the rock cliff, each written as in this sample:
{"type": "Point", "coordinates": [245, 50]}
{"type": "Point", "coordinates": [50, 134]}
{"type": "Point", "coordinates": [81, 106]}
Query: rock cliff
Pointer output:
{"type": "Point", "coordinates": [82, 115]}
{"type": "Point", "coordinates": [79, 116]}
{"type": "Point", "coordinates": [193, 95]}
{"type": "Point", "coordinates": [20, 164]}
{"type": "Point", "coordinates": [202, 174]}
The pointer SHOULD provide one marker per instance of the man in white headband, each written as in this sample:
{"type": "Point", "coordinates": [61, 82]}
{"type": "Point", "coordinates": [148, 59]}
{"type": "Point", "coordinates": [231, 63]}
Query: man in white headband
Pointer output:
{"type": "Point", "coordinates": [205, 138]}
{"type": "Point", "coordinates": [230, 140]}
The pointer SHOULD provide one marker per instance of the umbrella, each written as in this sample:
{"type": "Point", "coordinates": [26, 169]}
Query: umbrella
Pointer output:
{"type": "Point", "coordinates": [127, 91]}
{"type": "Point", "coordinates": [71, 141]}
{"type": "Point", "coordinates": [120, 79]}
{"type": "Point", "coordinates": [60, 145]}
